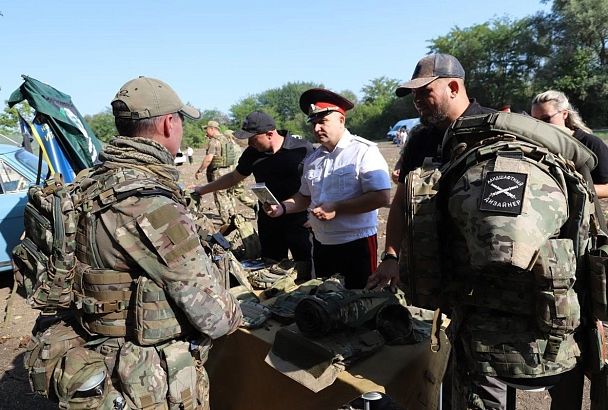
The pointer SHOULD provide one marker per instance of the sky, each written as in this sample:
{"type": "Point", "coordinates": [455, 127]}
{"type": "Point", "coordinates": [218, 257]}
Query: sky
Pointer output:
{"type": "Point", "coordinates": [215, 54]}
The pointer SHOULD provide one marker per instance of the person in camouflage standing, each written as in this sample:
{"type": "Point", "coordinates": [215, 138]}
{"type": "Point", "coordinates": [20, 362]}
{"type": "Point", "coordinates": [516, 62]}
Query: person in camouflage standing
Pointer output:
{"type": "Point", "coordinates": [238, 191]}
{"type": "Point", "coordinates": [223, 201]}
{"type": "Point", "coordinates": [144, 236]}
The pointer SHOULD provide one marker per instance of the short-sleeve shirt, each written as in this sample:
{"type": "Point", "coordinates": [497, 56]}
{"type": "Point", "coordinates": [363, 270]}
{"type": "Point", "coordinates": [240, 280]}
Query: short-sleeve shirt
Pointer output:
{"type": "Point", "coordinates": [215, 147]}
{"type": "Point", "coordinates": [353, 168]}
{"type": "Point", "coordinates": [600, 174]}
{"type": "Point", "coordinates": [280, 171]}
{"type": "Point", "coordinates": [425, 141]}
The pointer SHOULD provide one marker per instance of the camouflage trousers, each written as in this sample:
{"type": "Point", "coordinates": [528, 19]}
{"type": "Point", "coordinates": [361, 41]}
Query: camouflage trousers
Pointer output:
{"type": "Point", "coordinates": [238, 192]}
{"type": "Point", "coordinates": [169, 376]}
{"type": "Point", "coordinates": [224, 199]}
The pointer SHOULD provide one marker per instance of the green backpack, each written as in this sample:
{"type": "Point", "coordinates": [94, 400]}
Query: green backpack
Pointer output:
{"type": "Point", "coordinates": [230, 153]}
{"type": "Point", "coordinates": [502, 232]}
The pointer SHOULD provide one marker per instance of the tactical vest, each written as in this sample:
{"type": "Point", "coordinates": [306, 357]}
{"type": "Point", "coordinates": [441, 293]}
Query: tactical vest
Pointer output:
{"type": "Point", "coordinates": [500, 234]}
{"type": "Point", "coordinates": [114, 303]}
{"type": "Point", "coordinates": [57, 265]}
{"type": "Point", "coordinates": [230, 152]}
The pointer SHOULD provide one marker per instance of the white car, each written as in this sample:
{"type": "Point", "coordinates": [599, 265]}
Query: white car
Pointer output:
{"type": "Point", "coordinates": [180, 158]}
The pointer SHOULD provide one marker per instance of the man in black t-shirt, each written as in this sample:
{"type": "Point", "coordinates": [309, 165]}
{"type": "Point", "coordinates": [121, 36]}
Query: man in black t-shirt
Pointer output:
{"type": "Point", "coordinates": [275, 158]}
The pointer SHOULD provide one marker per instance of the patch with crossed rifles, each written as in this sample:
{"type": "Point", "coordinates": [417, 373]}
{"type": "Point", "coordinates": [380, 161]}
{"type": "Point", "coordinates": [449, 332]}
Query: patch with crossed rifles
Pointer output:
{"type": "Point", "coordinates": [503, 192]}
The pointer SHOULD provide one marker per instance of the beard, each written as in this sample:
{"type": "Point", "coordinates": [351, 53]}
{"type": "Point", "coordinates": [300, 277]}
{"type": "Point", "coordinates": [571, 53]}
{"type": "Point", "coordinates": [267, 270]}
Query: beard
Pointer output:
{"type": "Point", "coordinates": [437, 116]}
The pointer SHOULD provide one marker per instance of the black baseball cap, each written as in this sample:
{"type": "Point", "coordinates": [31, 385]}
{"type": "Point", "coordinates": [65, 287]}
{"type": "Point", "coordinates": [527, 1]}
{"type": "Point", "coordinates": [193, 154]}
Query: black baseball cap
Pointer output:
{"type": "Point", "coordinates": [430, 68]}
{"type": "Point", "coordinates": [257, 122]}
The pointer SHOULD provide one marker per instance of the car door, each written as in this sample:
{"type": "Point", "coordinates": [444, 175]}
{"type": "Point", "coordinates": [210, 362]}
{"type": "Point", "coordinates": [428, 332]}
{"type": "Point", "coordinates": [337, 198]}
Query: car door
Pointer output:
{"type": "Point", "coordinates": [13, 197]}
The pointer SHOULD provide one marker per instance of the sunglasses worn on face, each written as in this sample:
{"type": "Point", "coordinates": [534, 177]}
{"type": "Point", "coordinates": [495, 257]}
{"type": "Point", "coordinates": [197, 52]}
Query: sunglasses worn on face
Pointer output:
{"type": "Point", "coordinates": [547, 118]}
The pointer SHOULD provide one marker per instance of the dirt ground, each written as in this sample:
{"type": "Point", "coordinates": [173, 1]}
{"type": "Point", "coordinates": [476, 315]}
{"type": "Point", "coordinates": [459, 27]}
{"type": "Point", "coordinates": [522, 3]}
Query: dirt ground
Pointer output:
{"type": "Point", "coordinates": [14, 388]}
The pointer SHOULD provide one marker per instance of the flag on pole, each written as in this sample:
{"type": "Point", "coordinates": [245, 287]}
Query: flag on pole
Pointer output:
{"type": "Point", "coordinates": [26, 132]}
{"type": "Point", "coordinates": [72, 133]}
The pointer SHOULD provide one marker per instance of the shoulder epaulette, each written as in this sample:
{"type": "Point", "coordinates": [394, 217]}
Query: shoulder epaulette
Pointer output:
{"type": "Point", "coordinates": [363, 140]}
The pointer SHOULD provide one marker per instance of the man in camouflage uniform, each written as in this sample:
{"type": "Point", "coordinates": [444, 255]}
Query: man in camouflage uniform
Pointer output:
{"type": "Point", "coordinates": [238, 191]}
{"type": "Point", "coordinates": [222, 198]}
{"type": "Point", "coordinates": [148, 234]}
{"type": "Point", "coordinates": [440, 96]}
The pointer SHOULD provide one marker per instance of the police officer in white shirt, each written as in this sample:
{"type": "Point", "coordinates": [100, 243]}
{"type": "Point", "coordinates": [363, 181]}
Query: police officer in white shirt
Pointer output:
{"type": "Point", "coordinates": [344, 182]}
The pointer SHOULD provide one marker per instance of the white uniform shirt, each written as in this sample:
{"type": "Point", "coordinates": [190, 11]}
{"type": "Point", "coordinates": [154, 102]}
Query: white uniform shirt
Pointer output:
{"type": "Point", "coordinates": [354, 167]}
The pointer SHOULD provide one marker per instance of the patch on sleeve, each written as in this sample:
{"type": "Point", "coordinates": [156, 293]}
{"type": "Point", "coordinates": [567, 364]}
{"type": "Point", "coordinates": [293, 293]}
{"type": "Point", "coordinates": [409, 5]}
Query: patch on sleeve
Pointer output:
{"type": "Point", "coordinates": [503, 192]}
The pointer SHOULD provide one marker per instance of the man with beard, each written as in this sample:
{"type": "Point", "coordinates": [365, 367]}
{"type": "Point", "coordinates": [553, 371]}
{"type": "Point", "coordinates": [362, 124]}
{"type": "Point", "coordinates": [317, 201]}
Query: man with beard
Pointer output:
{"type": "Point", "coordinates": [440, 97]}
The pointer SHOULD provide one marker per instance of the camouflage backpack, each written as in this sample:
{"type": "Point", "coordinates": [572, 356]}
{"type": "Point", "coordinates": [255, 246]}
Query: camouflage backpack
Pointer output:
{"type": "Point", "coordinates": [44, 262]}
{"type": "Point", "coordinates": [501, 233]}
{"type": "Point", "coordinates": [230, 153]}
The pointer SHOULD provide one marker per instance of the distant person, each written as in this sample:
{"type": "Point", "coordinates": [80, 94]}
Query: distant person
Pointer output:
{"type": "Point", "coordinates": [213, 168]}
{"type": "Point", "coordinates": [553, 107]}
{"type": "Point", "coordinates": [344, 183]}
{"type": "Point", "coordinates": [189, 154]}
{"type": "Point", "coordinates": [401, 136]}
{"type": "Point", "coordinates": [275, 158]}
{"type": "Point", "coordinates": [238, 191]}
{"type": "Point", "coordinates": [505, 108]}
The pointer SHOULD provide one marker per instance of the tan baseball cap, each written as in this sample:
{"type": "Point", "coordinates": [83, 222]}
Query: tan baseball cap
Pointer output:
{"type": "Point", "coordinates": [148, 97]}
{"type": "Point", "coordinates": [212, 124]}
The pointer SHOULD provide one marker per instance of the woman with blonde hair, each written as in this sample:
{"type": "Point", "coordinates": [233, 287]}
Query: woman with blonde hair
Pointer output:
{"type": "Point", "coordinates": [554, 108]}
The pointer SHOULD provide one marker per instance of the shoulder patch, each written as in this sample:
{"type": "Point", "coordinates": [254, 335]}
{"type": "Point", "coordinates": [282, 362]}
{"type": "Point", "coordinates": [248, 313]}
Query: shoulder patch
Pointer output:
{"type": "Point", "coordinates": [503, 192]}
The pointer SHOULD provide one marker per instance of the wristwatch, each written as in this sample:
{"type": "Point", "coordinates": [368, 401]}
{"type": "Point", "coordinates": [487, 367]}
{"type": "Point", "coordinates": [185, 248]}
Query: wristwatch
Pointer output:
{"type": "Point", "coordinates": [384, 256]}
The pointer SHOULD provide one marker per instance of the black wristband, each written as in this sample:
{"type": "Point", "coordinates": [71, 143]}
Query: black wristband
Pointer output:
{"type": "Point", "coordinates": [284, 208]}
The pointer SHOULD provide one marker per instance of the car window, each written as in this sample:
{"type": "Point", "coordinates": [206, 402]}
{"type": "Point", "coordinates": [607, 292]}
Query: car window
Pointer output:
{"type": "Point", "coordinates": [12, 181]}
{"type": "Point", "coordinates": [30, 161]}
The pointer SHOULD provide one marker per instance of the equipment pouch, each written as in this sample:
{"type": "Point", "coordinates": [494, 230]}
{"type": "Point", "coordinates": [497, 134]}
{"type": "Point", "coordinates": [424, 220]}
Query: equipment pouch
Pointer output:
{"type": "Point", "coordinates": [44, 351]}
{"type": "Point", "coordinates": [29, 264]}
{"type": "Point", "coordinates": [181, 375]}
{"type": "Point", "coordinates": [598, 264]}
{"type": "Point", "coordinates": [81, 379]}
{"type": "Point", "coordinates": [155, 319]}
{"type": "Point", "coordinates": [557, 307]}
{"type": "Point", "coordinates": [143, 380]}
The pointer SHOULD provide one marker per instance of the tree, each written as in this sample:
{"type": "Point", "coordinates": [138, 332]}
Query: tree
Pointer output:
{"type": "Point", "coordinates": [102, 124]}
{"type": "Point", "coordinates": [381, 88]}
{"type": "Point", "coordinates": [500, 58]}
{"type": "Point", "coordinates": [9, 118]}
{"type": "Point", "coordinates": [281, 103]}
{"type": "Point", "coordinates": [380, 109]}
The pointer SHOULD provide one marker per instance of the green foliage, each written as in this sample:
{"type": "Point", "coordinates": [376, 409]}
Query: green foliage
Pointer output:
{"type": "Point", "coordinates": [102, 124]}
{"type": "Point", "coordinates": [380, 109]}
{"type": "Point", "coordinates": [9, 118]}
{"type": "Point", "coordinates": [499, 60]}
{"type": "Point", "coordinates": [281, 103]}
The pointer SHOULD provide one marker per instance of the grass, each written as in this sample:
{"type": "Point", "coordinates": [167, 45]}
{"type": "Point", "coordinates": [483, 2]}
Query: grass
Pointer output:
{"type": "Point", "coordinates": [602, 133]}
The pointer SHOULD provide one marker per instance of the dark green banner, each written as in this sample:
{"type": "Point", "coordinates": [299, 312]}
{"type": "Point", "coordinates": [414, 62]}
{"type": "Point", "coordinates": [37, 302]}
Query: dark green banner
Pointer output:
{"type": "Point", "coordinates": [55, 108]}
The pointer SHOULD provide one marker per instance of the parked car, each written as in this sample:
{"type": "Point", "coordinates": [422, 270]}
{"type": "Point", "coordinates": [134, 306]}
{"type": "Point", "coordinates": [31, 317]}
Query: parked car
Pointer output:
{"type": "Point", "coordinates": [18, 170]}
{"type": "Point", "coordinates": [409, 123]}
{"type": "Point", "coordinates": [180, 158]}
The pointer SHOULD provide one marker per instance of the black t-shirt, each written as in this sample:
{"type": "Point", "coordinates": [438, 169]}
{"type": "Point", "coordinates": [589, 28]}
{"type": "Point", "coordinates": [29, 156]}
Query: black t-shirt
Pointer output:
{"type": "Point", "coordinates": [600, 174]}
{"type": "Point", "coordinates": [281, 171]}
{"type": "Point", "coordinates": [424, 141]}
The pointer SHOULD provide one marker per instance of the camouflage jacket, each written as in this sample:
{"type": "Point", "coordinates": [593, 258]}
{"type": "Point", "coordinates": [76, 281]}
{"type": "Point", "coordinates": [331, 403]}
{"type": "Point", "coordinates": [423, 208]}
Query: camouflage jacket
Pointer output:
{"type": "Point", "coordinates": [154, 234]}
